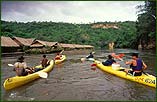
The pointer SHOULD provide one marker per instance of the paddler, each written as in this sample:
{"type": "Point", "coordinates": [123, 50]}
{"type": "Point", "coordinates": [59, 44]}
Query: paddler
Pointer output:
{"type": "Point", "coordinates": [136, 64]}
{"type": "Point", "coordinates": [90, 55]}
{"type": "Point", "coordinates": [109, 61]}
{"type": "Point", "coordinates": [58, 56]}
{"type": "Point", "coordinates": [44, 63]}
{"type": "Point", "coordinates": [21, 67]}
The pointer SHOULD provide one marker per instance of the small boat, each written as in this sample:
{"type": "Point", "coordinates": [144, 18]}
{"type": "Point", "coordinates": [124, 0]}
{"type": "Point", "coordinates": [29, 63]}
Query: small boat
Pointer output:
{"type": "Point", "coordinates": [17, 81]}
{"type": "Point", "coordinates": [145, 78]}
{"type": "Point", "coordinates": [63, 58]}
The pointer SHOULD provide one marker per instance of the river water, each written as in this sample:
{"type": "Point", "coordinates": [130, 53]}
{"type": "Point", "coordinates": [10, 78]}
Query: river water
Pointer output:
{"type": "Point", "coordinates": [74, 80]}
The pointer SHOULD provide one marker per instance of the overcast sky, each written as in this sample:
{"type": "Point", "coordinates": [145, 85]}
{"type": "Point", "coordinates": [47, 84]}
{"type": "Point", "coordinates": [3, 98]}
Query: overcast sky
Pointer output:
{"type": "Point", "coordinates": [69, 11]}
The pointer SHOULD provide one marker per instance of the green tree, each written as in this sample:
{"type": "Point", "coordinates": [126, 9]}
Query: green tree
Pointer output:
{"type": "Point", "coordinates": [146, 23]}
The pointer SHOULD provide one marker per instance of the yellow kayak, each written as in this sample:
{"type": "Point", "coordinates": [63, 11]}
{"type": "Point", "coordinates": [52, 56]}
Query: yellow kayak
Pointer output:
{"type": "Point", "coordinates": [16, 81]}
{"type": "Point", "coordinates": [145, 79]}
{"type": "Point", "coordinates": [61, 60]}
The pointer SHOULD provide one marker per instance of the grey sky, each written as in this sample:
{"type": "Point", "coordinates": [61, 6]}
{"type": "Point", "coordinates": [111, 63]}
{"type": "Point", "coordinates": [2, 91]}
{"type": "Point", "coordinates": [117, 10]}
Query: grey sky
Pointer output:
{"type": "Point", "coordinates": [69, 11]}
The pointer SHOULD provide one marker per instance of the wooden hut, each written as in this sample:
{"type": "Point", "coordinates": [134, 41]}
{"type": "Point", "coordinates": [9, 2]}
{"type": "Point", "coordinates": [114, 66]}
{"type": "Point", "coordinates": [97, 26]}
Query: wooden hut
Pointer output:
{"type": "Point", "coordinates": [45, 46]}
{"type": "Point", "coordinates": [77, 46]}
{"type": "Point", "coordinates": [67, 46]}
{"type": "Point", "coordinates": [9, 45]}
{"type": "Point", "coordinates": [23, 41]}
{"type": "Point", "coordinates": [88, 47]}
{"type": "Point", "coordinates": [45, 43]}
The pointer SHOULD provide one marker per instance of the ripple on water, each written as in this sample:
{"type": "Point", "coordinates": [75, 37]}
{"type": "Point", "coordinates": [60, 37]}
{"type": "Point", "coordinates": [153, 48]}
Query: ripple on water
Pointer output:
{"type": "Point", "coordinates": [76, 81]}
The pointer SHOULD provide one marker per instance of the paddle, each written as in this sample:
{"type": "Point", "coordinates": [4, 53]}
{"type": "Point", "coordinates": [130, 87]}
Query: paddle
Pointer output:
{"type": "Point", "coordinates": [11, 65]}
{"type": "Point", "coordinates": [120, 56]}
{"type": "Point", "coordinates": [41, 74]}
{"type": "Point", "coordinates": [93, 65]}
{"type": "Point", "coordinates": [61, 52]}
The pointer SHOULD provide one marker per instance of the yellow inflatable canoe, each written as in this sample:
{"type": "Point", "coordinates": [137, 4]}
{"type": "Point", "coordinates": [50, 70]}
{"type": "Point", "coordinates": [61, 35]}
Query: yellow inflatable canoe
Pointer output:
{"type": "Point", "coordinates": [145, 79]}
{"type": "Point", "coordinates": [17, 81]}
{"type": "Point", "coordinates": [61, 60]}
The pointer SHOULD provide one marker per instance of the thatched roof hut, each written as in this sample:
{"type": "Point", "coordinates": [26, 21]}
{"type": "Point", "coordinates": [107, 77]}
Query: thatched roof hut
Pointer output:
{"type": "Point", "coordinates": [8, 45]}
{"type": "Point", "coordinates": [88, 46]}
{"type": "Point", "coordinates": [67, 46]}
{"type": "Point", "coordinates": [23, 41]}
{"type": "Point", "coordinates": [39, 43]}
{"type": "Point", "coordinates": [76, 46]}
{"type": "Point", "coordinates": [8, 42]}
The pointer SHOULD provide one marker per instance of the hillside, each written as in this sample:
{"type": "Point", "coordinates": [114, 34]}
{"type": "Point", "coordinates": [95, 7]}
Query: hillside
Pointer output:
{"type": "Point", "coordinates": [97, 34]}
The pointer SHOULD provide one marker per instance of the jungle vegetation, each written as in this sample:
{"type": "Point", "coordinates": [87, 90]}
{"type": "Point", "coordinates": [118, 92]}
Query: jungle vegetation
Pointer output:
{"type": "Point", "coordinates": [128, 34]}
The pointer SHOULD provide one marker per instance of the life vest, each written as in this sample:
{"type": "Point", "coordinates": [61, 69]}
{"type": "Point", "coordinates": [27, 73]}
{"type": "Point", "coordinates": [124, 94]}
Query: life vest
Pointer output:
{"type": "Point", "coordinates": [108, 62]}
{"type": "Point", "coordinates": [139, 65]}
{"type": "Point", "coordinates": [58, 57]}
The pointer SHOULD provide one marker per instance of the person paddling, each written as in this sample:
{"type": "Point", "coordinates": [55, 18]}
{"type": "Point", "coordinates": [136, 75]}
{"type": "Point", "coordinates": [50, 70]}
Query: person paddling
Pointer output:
{"type": "Point", "coordinates": [136, 64]}
{"type": "Point", "coordinates": [58, 56]}
{"type": "Point", "coordinates": [21, 67]}
{"type": "Point", "coordinates": [109, 61]}
{"type": "Point", "coordinates": [44, 63]}
{"type": "Point", "coordinates": [90, 55]}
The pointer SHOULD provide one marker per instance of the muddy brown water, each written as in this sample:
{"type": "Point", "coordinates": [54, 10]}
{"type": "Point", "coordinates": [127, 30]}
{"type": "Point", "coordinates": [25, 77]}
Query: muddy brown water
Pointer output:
{"type": "Point", "coordinates": [73, 80]}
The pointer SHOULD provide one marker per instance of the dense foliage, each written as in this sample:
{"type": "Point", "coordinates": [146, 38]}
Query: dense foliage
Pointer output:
{"type": "Point", "coordinates": [146, 24]}
{"type": "Point", "coordinates": [61, 32]}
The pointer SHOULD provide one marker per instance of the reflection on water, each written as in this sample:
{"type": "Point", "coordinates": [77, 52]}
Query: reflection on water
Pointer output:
{"type": "Point", "coordinates": [74, 80]}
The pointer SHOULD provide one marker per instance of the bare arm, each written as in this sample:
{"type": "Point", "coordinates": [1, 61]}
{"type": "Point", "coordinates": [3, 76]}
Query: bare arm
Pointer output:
{"type": "Point", "coordinates": [24, 64]}
{"type": "Point", "coordinates": [144, 65]}
{"type": "Point", "coordinates": [128, 62]}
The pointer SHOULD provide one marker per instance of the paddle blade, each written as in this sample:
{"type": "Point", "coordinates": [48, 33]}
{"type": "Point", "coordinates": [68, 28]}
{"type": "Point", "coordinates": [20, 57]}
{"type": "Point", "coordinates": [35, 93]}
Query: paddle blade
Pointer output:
{"type": "Point", "coordinates": [93, 65]}
{"type": "Point", "coordinates": [43, 74]}
{"type": "Point", "coordinates": [121, 55]}
{"type": "Point", "coordinates": [11, 65]}
{"type": "Point", "coordinates": [118, 56]}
